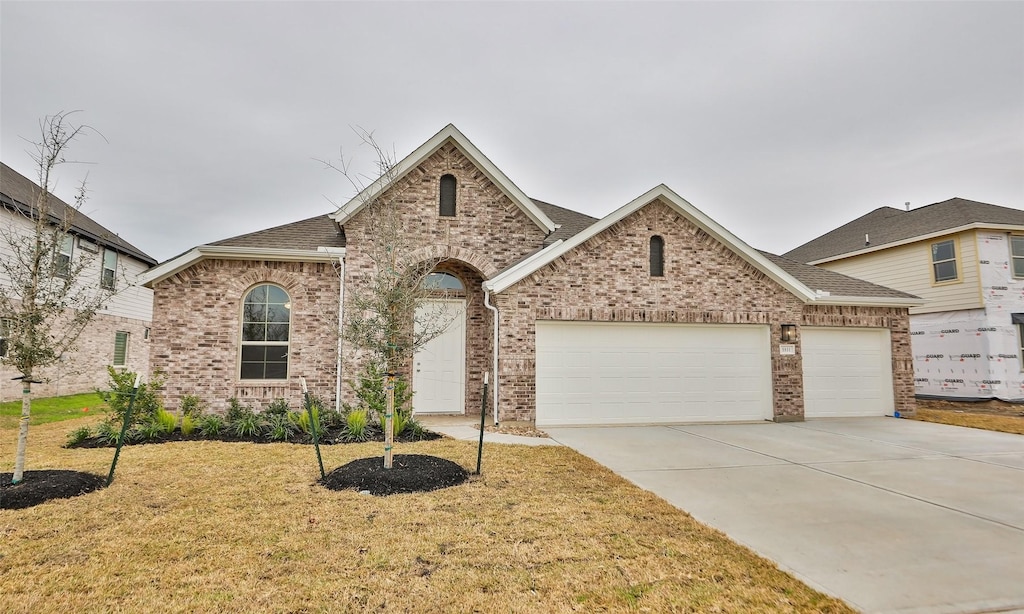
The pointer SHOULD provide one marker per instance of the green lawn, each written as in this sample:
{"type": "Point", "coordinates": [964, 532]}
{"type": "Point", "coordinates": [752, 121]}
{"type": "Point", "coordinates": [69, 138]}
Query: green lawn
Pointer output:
{"type": "Point", "coordinates": [53, 409]}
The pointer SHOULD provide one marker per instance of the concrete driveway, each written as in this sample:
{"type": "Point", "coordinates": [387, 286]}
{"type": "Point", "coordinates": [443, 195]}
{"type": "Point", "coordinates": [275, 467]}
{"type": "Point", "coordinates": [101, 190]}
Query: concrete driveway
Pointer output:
{"type": "Point", "coordinates": [888, 515]}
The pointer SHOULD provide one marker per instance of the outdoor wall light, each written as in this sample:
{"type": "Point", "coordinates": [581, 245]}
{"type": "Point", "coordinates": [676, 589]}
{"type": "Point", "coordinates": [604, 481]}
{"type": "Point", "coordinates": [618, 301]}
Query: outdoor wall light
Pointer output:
{"type": "Point", "coordinates": [788, 333]}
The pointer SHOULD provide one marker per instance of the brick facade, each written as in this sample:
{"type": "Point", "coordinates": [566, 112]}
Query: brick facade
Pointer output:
{"type": "Point", "coordinates": [197, 310]}
{"type": "Point", "coordinates": [85, 369]}
{"type": "Point", "coordinates": [197, 338]}
{"type": "Point", "coordinates": [487, 234]}
{"type": "Point", "coordinates": [607, 279]}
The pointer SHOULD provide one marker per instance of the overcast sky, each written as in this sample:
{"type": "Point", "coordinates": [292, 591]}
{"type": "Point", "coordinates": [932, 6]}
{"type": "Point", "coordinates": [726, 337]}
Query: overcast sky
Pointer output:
{"type": "Point", "coordinates": [780, 121]}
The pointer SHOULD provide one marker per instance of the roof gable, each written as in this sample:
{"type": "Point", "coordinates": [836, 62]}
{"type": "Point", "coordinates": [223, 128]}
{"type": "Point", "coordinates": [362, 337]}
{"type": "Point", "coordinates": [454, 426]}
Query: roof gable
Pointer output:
{"type": "Point", "coordinates": [449, 134]}
{"type": "Point", "coordinates": [887, 227]}
{"type": "Point", "coordinates": [514, 274]}
{"type": "Point", "coordinates": [806, 285]}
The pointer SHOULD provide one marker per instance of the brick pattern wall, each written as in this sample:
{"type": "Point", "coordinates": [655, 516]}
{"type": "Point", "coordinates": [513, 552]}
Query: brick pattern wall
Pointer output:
{"type": "Point", "coordinates": [607, 279]}
{"type": "Point", "coordinates": [196, 331]}
{"type": "Point", "coordinates": [488, 233]}
{"type": "Point", "coordinates": [85, 369]}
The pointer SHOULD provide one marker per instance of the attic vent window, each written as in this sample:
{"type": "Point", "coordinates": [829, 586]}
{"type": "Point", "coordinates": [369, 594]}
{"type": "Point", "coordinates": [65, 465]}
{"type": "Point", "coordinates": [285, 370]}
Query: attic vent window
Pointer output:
{"type": "Point", "coordinates": [447, 208]}
{"type": "Point", "coordinates": [657, 256]}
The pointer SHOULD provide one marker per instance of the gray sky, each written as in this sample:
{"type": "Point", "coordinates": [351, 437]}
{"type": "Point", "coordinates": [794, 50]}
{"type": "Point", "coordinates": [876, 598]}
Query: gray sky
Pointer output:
{"type": "Point", "coordinates": [781, 121]}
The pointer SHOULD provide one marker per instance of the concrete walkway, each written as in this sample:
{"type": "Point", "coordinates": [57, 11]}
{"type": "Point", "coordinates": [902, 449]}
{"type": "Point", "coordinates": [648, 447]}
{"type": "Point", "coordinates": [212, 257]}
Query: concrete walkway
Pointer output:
{"type": "Point", "coordinates": [467, 428]}
{"type": "Point", "coordinates": [888, 515]}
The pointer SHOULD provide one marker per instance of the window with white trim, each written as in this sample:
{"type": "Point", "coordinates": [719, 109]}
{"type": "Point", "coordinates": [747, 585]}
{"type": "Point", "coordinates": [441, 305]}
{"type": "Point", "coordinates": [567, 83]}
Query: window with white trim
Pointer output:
{"type": "Point", "coordinates": [1017, 255]}
{"type": "Point", "coordinates": [64, 254]}
{"type": "Point", "coordinates": [108, 278]}
{"type": "Point", "coordinates": [266, 323]}
{"type": "Point", "coordinates": [944, 261]}
{"type": "Point", "coordinates": [120, 349]}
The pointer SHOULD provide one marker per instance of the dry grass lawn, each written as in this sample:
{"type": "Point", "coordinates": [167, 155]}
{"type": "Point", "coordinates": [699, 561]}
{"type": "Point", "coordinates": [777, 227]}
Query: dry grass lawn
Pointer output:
{"type": "Point", "coordinates": [990, 422]}
{"type": "Point", "coordinates": [238, 527]}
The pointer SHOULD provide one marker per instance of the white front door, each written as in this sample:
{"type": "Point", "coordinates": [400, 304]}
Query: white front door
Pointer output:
{"type": "Point", "coordinates": [439, 367]}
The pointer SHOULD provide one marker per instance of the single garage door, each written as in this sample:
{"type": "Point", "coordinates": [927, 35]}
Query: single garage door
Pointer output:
{"type": "Point", "coordinates": [638, 373]}
{"type": "Point", "coordinates": [847, 372]}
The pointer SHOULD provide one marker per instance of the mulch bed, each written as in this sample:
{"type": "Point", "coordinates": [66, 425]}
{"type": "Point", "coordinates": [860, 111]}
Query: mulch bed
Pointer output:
{"type": "Point", "coordinates": [409, 473]}
{"type": "Point", "coordinates": [44, 485]}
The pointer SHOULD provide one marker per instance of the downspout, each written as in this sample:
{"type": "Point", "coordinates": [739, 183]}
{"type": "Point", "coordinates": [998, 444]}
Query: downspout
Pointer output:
{"type": "Point", "coordinates": [341, 324]}
{"type": "Point", "coordinates": [494, 358]}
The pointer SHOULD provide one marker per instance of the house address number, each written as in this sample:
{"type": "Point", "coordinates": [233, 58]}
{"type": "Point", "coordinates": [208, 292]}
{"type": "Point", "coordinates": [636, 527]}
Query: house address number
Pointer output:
{"type": "Point", "coordinates": [787, 350]}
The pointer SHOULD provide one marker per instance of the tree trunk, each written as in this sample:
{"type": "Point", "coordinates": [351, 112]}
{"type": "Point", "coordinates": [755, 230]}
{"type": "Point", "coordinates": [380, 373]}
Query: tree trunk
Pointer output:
{"type": "Point", "coordinates": [26, 410]}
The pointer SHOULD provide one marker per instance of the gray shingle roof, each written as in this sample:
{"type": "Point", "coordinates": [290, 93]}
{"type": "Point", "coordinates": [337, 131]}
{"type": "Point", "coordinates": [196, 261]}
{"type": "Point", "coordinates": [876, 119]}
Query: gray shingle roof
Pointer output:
{"type": "Point", "coordinates": [19, 193]}
{"type": "Point", "coordinates": [570, 222]}
{"type": "Point", "coordinates": [888, 225]}
{"type": "Point", "coordinates": [836, 284]}
{"type": "Point", "coordinates": [311, 233]}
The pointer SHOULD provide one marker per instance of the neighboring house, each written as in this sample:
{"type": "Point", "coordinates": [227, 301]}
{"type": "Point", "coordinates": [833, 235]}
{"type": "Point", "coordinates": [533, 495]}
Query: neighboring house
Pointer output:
{"type": "Point", "coordinates": [966, 259]}
{"type": "Point", "coordinates": [653, 314]}
{"type": "Point", "coordinates": [119, 334]}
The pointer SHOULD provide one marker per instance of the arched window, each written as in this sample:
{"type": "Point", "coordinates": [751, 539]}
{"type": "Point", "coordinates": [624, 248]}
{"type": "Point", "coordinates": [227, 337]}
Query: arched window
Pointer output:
{"type": "Point", "coordinates": [448, 196]}
{"type": "Point", "coordinates": [266, 320]}
{"type": "Point", "coordinates": [657, 256]}
{"type": "Point", "coordinates": [442, 282]}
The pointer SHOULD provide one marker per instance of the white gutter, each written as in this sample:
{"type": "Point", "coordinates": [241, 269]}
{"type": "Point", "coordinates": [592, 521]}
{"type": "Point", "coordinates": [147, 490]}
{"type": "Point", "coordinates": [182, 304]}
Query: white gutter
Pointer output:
{"type": "Point", "coordinates": [494, 357]}
{"type": "Point", "coordinates": [490, 285]}
{"type": "Point", "coordinates": [868, 301]}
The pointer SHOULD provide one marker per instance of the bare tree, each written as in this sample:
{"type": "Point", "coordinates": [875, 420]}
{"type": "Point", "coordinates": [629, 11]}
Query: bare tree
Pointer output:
{"type": "Point", "coordinates": [383, 315]}
{"type": "Point", "coordinates": [44, 302]}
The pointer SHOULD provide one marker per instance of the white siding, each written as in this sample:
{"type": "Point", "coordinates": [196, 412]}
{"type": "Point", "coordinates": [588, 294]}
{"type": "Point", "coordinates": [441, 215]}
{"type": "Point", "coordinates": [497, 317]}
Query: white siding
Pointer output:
{"type": "Point", "coordinates": [909, 268]}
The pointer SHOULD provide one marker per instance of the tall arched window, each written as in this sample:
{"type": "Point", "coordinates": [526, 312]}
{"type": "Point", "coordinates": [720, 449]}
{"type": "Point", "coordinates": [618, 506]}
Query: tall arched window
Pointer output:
{"type": "Point", "coordinates": [657, 256]}
{"type": "Point", "coordinates": [447, 208]}
{"type": "Point", "coordinates": [266, 320]}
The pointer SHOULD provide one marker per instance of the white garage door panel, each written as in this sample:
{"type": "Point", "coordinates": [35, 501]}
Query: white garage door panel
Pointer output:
{"type": "Point", "coordinates": [602, 373]}
{"type": "Point", "coordinates": [847, 372]}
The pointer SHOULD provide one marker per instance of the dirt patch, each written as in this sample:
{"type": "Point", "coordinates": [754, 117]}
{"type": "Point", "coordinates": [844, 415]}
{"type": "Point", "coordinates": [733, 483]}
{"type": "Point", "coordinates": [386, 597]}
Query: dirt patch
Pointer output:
{"type": "Point", "coordinates": [521, 431]}
{"type": "Point", "coordinates": [45, 485]}
{"type": "Point", "coordinates": [409, 473]}
{"type": "Point", "coordinates": [993, 407]}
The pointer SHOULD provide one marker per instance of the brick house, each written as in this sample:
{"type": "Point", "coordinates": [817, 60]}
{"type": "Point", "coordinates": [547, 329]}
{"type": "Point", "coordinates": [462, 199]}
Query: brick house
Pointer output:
{"type": "Point", "coordinates": [119, 334]}
{"type": "Point", "coordinates": [653, 314]}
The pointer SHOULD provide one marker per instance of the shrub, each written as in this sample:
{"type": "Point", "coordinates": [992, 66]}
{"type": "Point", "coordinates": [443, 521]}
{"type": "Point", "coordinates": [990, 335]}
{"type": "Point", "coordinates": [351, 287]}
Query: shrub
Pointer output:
{"type": "Point", "coordinates": [118, 397]}
{"type": "Point", "coordinates": [355, 424]}
{"type": "Point", "coordinates": [278, 407]}
{"type": "Point", "coordinates": [401, 420]}
{"type": "Point", "coordinates": [247, 424]}
{"type": "Point", "coordinates": [371, 392]}
{"type": "Point", "coordinates": [415, 428]}
{"type": "Point", "coordinates": [148, 431]}
{"type": "Point", "coordinates": [236, 410]}
{"type": "Point", "coordinates": [301, 418]}
{"type": "Point", "coordinates": [192, 406]}
{"type": "Point", "coordinates": [108, 432]}
{"type": "Point", "coordinates": [188, 424]}
{"type": "Point", "coordinates": [166, 420]}
{"type": "Point", "coordinates": [211, 425]}
{"type": "Point", "coordinates": [280, 427]}
{"type": "Point", "coordinates": [79, 435]}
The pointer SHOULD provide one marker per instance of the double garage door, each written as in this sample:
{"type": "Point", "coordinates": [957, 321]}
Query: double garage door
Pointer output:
{"type": "Point", "coordinates": [637, 373]}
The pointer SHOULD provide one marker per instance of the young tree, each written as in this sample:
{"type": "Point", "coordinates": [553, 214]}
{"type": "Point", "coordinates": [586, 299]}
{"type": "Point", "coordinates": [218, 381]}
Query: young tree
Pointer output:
{"type": "Point", "coordinates": [44, 302]}
{"type": "Point", "coordinates": [384, 318]}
